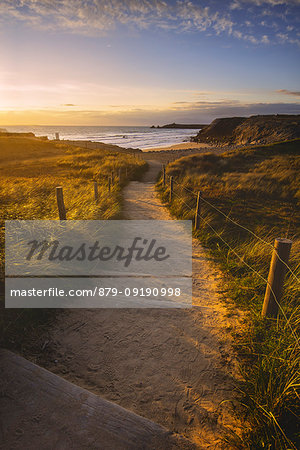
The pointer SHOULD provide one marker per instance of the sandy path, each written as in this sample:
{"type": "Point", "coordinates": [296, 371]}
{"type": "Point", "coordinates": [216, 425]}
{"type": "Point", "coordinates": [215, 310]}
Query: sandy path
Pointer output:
{"type": "Point", "coordinates": [172, 366]}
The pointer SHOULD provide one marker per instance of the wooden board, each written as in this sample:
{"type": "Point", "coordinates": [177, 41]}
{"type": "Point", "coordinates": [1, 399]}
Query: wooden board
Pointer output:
{"type": "Point", "coordinates": [40, 410]}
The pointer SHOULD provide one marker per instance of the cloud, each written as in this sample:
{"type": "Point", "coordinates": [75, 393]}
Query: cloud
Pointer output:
{"type": "Point", "coordinates": [238, 4]}
{"type": "Point", "coordinates": [204, 105]}
{"type": "Point", "coordinates": [265, 39]}
{"type": "Point", "coordinates": [287, 92]}
{"type": "Point", "coordinates": [252, 39]}
{"type": "Point", "coordinates": [203, 112]}
{"type": "Point", "coordinates": [235, 5]}
{"type": "Point", "coordinates": [99, 17]}
{"type": "Point", "coordinates": [68, 104]}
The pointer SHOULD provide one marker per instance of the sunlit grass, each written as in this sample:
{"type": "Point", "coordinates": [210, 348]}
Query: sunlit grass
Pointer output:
{"type": "Point", "coordinates": [260, 189]}
{"type": "Point", "coordinates": [30, 170]}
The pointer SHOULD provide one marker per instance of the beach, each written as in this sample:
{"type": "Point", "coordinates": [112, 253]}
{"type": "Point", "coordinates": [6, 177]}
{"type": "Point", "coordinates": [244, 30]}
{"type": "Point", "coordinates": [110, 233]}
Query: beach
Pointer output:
{"type": "Point", "coordinates": [149, 225]}
{"type": "Point", "coordinates": [181, 146]}
{"type": "Point", "coordinates": [169, 154]}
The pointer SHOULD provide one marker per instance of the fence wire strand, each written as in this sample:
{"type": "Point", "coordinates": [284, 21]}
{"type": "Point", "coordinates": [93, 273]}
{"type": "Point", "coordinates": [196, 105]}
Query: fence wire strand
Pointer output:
{"type": "Point", "coordinates": [248, 265]}
{"type": "Point", "coordinates": [244, 228]}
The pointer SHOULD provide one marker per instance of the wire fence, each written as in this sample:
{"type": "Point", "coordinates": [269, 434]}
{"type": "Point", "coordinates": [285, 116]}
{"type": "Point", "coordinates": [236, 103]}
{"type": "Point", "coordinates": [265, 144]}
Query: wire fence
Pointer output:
{"type": "Point", "coordinates": [247, 265]}
{"type": "Point", "coordinates": [194, 210]}
{"type": "Point", "coordinates": [240, 226]}
{"type": "Point", "coordinates": [112, 180]}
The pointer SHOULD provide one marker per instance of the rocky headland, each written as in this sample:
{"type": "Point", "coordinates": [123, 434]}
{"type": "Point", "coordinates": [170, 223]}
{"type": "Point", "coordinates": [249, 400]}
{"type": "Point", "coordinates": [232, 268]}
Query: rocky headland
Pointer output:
{"type": "Point", "coordinates": [250, 130]}
{"type": "Point", "coordinates": [181, 125]}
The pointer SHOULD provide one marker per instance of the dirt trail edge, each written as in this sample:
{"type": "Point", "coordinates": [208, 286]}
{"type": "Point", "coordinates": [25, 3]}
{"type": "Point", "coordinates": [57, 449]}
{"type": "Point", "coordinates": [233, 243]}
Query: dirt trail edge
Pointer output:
{"type": "Point", "coordinates": [175, 367]}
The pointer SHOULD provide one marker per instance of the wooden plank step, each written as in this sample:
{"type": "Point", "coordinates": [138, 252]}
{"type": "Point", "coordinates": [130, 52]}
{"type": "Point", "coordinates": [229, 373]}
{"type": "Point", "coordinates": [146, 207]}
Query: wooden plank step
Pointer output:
{"type": "Point", "coordinates": [40, 410]}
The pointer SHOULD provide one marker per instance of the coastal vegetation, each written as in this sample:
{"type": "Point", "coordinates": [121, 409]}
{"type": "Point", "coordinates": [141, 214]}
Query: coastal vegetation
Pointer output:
{"type": "Point", "coordinates": [30, 170]}
{"type": "Point", "coordinates": [251, 196]}
{"type": "Point", "coordinates": [258, 129]}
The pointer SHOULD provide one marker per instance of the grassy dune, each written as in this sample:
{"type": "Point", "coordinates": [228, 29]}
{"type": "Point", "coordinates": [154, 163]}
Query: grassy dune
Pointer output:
{"type": "Point", "coordinates": [260, 189]}
{"type": "Point", "coordinates": [30, 169]}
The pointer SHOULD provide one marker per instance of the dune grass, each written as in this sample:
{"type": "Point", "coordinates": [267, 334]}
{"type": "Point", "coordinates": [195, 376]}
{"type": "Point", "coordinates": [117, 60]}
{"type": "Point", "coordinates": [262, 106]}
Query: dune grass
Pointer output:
{"type": "Point", "coordinates": [30, 169]}
{"type": "Point", "coordinates": [260, 189]}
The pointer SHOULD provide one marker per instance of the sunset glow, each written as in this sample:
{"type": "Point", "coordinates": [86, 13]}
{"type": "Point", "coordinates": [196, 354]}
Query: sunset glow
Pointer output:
{"type": "Point", "coordinates": [80, 63]}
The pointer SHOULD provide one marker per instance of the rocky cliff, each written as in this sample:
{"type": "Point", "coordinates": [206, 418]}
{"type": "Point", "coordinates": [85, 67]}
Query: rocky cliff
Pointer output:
{"type": "Point", "coordinates": [251, 130]}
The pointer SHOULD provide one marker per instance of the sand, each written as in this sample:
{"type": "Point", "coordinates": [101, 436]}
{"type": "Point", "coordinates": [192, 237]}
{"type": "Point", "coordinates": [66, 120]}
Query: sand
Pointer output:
{"type": "Point", "coordinates": [169, 154]}
{"type": "Point", "coordinates": [182, 146]}
{"type": "Point", "coordinates": [175, 367]}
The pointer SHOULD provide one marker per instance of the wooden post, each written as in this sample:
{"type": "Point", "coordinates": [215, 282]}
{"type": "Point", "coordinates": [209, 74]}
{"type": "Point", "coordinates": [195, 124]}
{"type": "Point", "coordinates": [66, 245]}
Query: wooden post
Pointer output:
{"type": "Point", "coordinates": [96, 190]}
{"type": "Point", "coordinates": [60, 203]}
{"type": "Point", "coordinates": [109, 184]}
{"type": "Point", "coordinates": [57, 136]}
{"type": "Point", "coordinates": [171, 189]}
{"type": "Point", "coordinates": [164, 175]}
{"type": "Point", "coordinates": [197, 212]}
{"type": "Point", "coordinates": [276, 277]}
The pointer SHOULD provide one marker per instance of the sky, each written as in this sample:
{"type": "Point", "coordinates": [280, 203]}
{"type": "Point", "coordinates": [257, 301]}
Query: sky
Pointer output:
{"type": "Point", "coordinates": [140, 62]}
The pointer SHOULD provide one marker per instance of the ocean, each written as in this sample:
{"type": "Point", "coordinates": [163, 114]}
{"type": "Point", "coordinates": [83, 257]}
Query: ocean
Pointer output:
{"type": "Point", "coordinates": [135, 137]}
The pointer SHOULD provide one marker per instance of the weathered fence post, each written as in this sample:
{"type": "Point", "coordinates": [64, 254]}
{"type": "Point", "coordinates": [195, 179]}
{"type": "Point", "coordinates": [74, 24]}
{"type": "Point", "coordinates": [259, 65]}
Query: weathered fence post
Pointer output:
{"type": "Point", "coordinates": [281, 252]}
{"type": "Point", "coordinates": [164, 175]}
{"type": "Point", "coordinates": [171, 189]}
{"type": "Point", "coordinates": [57, 136]}
{"type": "Point", "coordinates": [96, 190]}
{"type": "Point", "coordinates": [109, 184]}
{"type": "Point", "coordinates": [197, 212]}
{"type": "Point", "coordinates": [60, 203]}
